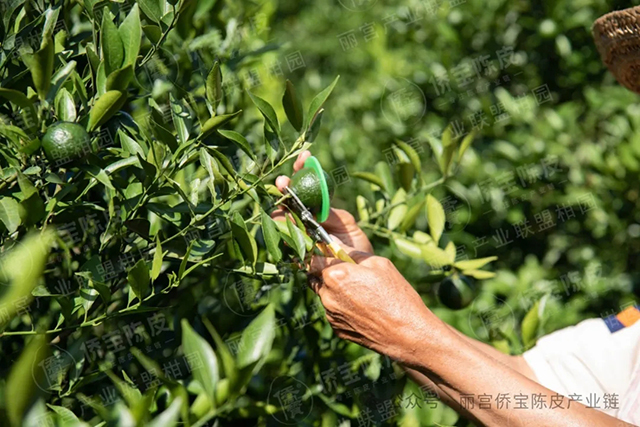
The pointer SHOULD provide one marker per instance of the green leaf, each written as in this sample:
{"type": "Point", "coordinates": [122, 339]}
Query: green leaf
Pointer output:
{"type": "Point", "coordinates": [156, 266]}
{"type": "Point", "coordinates": [21, 268]}
{"type": "Point", "coordinates": [413, 156]}
{"type": "Point", "coordinates": [153, 9]}
{"type": "Point", "coordinates": [211, 166]}
{"type": "Point", "coordinates": [448, 148]}
{"type": "Point", "coordinates": [397, 214]}
{"type": "Point", "coordinates": [239, 140]}
{"type": "Point", "coordinates": [406, 172]}
{"type": "Point", "coordinates": [40, 65]}
{"type": "Point", "coordinates": [105, 107]}
{"type": "Point", "coordinates": [179, 116]}
{"type": "Point", "coordinates": [202, 359]}
{"type": "Point", "coordinates": [60, 78]}
{"type": "Point", "coordinates": [24, 377]}
{"type": "Point", "coordinates": [67, 417]}
{"type": "Point", "coordinates": [370, 177]}
{"type": "Point", "coordinates": [65, 106]}
{"type": "Point", "coordinates": [436, 218]}
{"type": "Point", "coordinates": [293, 106]}
{"type": "Point", "coordinates": [215, 122]}
{"type": "Point", "coordinates": [271, 237]}
{"type": "Point", "coordinates": [474, 264]}
{"type": "Point", "coordinates": [100, 175]}
{"type": "Point", "coordinates": [185, 261]}
{"type": "Point", "coordinates": [450, 250]}
{"type": "Point", "coordinates": [227, 359]}
{"type": "Point", "coordinates": [361, 204]}
{"type": "Point", "coordinates": [257, 338]}
{"type": "Point", "coordinates": [111, 44]}
{"type": "Point", "coordinates": [244, 238]}
{"type": "Point", "coordinates": [530, 324]}
{"type": "Point", "coordinates": [214, 85]}
{"type": "Point", "coordinates": [408, 248]}
{"type": "Point", "coordinates": [479, 274]}
{"type": "Point", "coordinates": [138, 278]}
{"type": "Point", "coordinates": [18, 98]}
{"type": "Point", "coordinates": [434, 256]}
{"type": "Point", "coordinates": [412, 215]}
{"type": "Point", "coordinates": [129, 144]}
{"type": "Point", "coordinates": [119, 79]}
{"type": "Point", "coordinates": [383, 171]}
{"type": "Point", "coordinates": [317, 102]}
{"type": "Point", "coordinates": [466, 142]}
{"type": "Point", "coordinates": [10, 213]}
{"type": "Point", "coordinates": [50, 19]}
{"type": "Point", "coordinates": [267, 111]}
{"type": "Point", "coordinates": [223, 160]}
{"type": "Point", "coordinates": [314, 129]}
{"type": "Point", "coordinates": [130, 33]}
{"type": "Point", "coordinates": [297, 238]}
{"type": "Point", "coordinates": [169, 416]}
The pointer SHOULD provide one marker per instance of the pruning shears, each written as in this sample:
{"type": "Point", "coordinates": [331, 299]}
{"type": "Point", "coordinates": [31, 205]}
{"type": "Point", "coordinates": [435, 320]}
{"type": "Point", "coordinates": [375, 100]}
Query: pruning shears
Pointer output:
{"type": "Point", "coordinates": [317, 232]}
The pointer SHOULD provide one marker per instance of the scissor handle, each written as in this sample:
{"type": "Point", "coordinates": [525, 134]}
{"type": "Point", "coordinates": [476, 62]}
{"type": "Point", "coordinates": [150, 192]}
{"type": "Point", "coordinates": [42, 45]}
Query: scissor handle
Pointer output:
{"type": "Point", "coordinates": [338, 252]}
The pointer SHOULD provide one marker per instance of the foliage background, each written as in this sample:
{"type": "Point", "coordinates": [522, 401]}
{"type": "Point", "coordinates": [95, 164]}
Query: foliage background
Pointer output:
{"type": "Point", "coordinates": [555, 136]}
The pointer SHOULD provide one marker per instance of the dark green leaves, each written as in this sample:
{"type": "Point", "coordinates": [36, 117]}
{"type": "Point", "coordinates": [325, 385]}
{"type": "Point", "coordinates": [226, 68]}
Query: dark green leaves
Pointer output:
{"type": "Point", "coordinates": [201, 358]}
{"type": "Point", "coordinates": [215, 122]}
{"type": "Point", "coordinates": [10, 213]}
{"type": "Point", "coordinates": [21, 269]}
{"type": "Point", "coordinates": [244, 238]}
{"type": "Point", "coordinates": [239, 140]}
{"type": "Point", "coordinates": [293, 106]}
{"type": "Point", "coordinates": [130, 33]}
{"type": "Point", "coordinates": [267, 111]}
{"type": "Point", "coordinates": [318, 102]}
{"type": "Point", "coordinates": [214, 85]}
{"type": "Point", "coordinates": [139, 279]}
{"type": "Point", "coordinates": [154, 9]}
{"type": "Point", "coordinates": [297, 239]}
{"type": "Point", "coordinates": [105, 107]}
{"type": "Point", "coordinates": [257, 338]}
{"type": "Point", "coordinates": [111, 44]}
{"type": "Point", "coordinates": [22, 383]}
{"type": "Point", "coordinates": [271, 237]}
{"type": "Point", "coordinates": [40, 65]}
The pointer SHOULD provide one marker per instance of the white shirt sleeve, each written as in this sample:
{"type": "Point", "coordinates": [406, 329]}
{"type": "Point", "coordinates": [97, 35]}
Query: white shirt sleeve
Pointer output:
{"type": "Point", "coordinates": [590, 364]}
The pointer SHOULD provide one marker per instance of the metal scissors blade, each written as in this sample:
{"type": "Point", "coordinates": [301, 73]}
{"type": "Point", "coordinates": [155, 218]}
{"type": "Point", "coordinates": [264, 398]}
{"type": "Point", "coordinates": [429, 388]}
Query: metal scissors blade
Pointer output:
{"type": "Point", "coordinates": [316, 230]}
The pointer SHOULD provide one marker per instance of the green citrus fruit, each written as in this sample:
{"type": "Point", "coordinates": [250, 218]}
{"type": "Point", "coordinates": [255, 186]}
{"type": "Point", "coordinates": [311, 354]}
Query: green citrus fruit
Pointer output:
{"type": "Point", "coordinates": [65, 141]}
{"type": "Point", "coordinates": [456, 291]}
{"type": "Point", "coordinates": [306, 184]}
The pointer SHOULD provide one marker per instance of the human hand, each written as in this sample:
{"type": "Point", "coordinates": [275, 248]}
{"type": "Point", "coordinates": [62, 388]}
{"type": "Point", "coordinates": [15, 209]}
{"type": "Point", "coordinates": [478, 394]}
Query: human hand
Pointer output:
{"type": "Point", "coordinates": [340, 222]}
{"type": "Point", "coordinates": [371, 304]}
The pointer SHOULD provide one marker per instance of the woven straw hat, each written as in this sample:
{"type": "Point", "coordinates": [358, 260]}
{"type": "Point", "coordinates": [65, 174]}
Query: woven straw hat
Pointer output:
{"type": "Point", "coordinates": [617, 36]}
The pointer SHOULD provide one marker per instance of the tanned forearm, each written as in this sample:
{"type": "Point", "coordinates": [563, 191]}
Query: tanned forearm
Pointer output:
{"type": "Point", "coordinates": [456, 366]}
{"type": "Point", "coordinates": [516, 363]}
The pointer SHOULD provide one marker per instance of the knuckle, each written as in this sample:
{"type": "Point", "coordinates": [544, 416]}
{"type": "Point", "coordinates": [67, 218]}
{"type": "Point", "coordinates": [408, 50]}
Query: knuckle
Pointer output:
{"type": "Point", "coordinates": [335, 273]}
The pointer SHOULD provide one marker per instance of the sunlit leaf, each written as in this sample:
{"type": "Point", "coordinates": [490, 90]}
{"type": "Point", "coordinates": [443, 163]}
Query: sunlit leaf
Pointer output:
{"type": "Point", "coordinates": [201, 358]}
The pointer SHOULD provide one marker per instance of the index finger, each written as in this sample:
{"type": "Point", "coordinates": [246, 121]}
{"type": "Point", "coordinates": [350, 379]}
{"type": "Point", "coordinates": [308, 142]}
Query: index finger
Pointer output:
{"type": "Point", "coordinates": [302, 157]}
